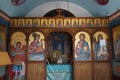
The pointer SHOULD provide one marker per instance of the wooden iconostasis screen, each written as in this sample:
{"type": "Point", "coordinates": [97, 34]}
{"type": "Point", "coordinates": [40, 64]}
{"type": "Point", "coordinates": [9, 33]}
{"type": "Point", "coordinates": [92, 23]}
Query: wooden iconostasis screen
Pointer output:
{"type": "Point", "coordinates": [22, 56]}
{"type": "Point", "coordinates": [90, 59]}
{"type": "Point", "coordinates": [86, 50]}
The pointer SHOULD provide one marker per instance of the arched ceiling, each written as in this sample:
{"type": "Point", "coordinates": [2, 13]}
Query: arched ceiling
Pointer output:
{"type": "Point", "coordinates": [89, 5]}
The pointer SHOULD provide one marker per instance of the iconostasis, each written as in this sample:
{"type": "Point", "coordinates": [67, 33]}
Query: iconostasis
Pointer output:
{"type": "Point", "coordinates": [60, 48]}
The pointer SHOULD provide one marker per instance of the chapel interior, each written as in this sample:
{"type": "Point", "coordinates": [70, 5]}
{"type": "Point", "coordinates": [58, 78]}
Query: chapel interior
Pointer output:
{"type": "Point", "coordinates": [60, 40]}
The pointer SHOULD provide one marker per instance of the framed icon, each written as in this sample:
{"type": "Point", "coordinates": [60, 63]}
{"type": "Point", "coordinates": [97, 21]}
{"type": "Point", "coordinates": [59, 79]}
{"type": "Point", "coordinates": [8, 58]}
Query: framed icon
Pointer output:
{"type": "Point", "coordinates": [100, 46]}
{"type": "Point", "coordinates": [82, 22]}
{"type": "Point", "coordinates": [36, 22]}
{"type": "Point", "coordinates": [18, 53]}
{"type": "Point", "coordinates": [21, 22]}
{"type": "Point", "coordinates": [89, 22]}
{"type": "Point", "coordinates": [51, 22]}
{"type": "Point", "coordinates": [44, 23]}
{"type": "Point", "coordinates": [82, 47]}
{"type": "Point", "coordinates": [75, 23]}
{"type": "Point", "coordinates": [36, 47]}
{"type": "Point", "coordinates": [59, 22]}
{"type": "Point", "coordinates": [13, 22]}
{"type": "Point", "coordinates": [97, 22]}
{"type": "Point", "coordinates": [67, 23]}
{"type": "Point", "coordinates": [105, 23]}
{"type": "Point", "coordinates": [28, 22]}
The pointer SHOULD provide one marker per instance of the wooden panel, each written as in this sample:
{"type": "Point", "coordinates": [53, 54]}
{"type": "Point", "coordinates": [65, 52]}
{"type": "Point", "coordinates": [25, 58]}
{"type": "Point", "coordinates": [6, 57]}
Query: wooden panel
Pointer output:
{"type": "Point", "coordinates": [35, 71]}
{"type": "Point", "coordinates": [102, 71]}
{"type": "Point", "coordinates": [82, 71]}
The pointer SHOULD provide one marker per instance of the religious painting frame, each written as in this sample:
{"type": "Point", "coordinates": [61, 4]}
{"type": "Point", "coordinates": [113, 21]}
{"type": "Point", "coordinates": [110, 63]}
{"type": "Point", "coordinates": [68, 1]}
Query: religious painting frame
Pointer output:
{"type": "Point", "coordinates": [28, 23]}
{"type": "Point", "coordinates": [13, 22]}
{"type": "Point", "coordinates": [51, 22]}
{"type": "Point", "coordinates": [59, 22]}
{"type": "Point", "coordinates": [36, 22]}
{"type": "Point", "coordinates": [21, 22]}
{"type": "Point", "coordinates": [105, 23]}
{"type": "Point", "coordinates": [90, 22]}
{"type": "Point", "coordinates": [97, 22]}
{"type": "Point", "coordinates": [116, 41]}
{"type": "Point", "coordinates": [36, 47]}
{"type": "Point", "coordinates": [82, 46]}
{"type": "Point", "coordinates": [75, 22]}
{"type": "Point", "coordinates": [100, 46]}
{"type": "Point", "coordinates": [18, 47]}
{"type": "Point", "coordinates": [67, 22]}
{"type": "Point", "coordinates": [2, 38]}
{"type": "Point", "coordinates": [82, 22]}
{"type": "Point", "coordinates": [44, 22]}
{"type": "Point", "coordinates": [59, 48]}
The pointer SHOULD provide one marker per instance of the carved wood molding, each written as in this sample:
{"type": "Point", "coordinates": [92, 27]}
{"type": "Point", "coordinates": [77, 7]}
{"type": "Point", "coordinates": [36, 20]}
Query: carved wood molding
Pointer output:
{"type": "Point", "coordinates": [114, 15]}
{"type": "Point", "coordinates": [4, 15]}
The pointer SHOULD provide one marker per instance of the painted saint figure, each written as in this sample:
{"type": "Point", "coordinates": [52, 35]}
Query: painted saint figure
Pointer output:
{"type": "Point", "coordinates": [12, 24]}
{"type": "Point", "coordinates": [36, 50]}
{"type": "Point", "coordinates": [82, 24]}
{"type": "Point", "coordinates": [117, 48]}
{"type": "Point", "coordinates": [67, 24]}
{"type": "Point", "coordinates": [35, 24]}
{"type": "Point", "coordinates": [97, 24]}
{"type": "Point", "coordinates": [82, 49]}
{"type": "Point", "coordinates": [75, 24]}
{"type": "Point", "coordinates": [89, 24]}
{"type": "Point", "coordinates": [28, 24]}
{"type": "Point", "coordinates": [59, 24]}
{"type": "Point", "coordinates": [18, 59]}
{"type": "Point", "coordinates": [100, 48]}
{"type": "Point", "coordinates": [44, 24]}
{"type": "Point", "coordinates": [21, 24]}
{"type": "Point", "coordinates": [52, 24]}
{"type": "Point", "coordinates": [105, 24]}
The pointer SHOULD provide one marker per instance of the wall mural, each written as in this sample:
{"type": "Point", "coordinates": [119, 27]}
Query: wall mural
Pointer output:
{"type": "Point", "coordinates": [2, 38]}
{"type": "Point", "coordinates": [17, 55]}
{"type": "Point", "coordinates": [36, 46]}
{"type": "Point", "coordinates": [100, 46]}
{"type": "Point", "coordinates": [102, 2]}
{"type": "Point", "coordinates": [17, 2]}
{"type": "Point", "coordinates": [82, 46]}
{"type": "Point", "coordinates": [116, 39]}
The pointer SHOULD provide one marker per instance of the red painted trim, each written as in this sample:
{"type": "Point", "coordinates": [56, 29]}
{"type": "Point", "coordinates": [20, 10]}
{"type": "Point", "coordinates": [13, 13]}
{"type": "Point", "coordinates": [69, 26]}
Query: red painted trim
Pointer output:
{"type": "Point", "coordinates": [4, 13]}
